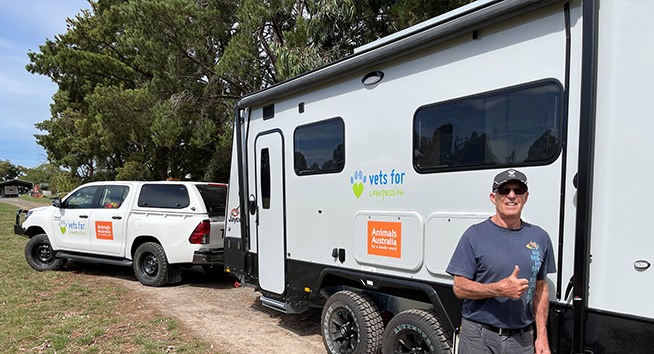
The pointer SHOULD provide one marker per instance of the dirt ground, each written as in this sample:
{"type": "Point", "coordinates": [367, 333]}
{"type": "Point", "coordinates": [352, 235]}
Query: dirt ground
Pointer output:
{"type": "Point", "coordinates": [230, 319]}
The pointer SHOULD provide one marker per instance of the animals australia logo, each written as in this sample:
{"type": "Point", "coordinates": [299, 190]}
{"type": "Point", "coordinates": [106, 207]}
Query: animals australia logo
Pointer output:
{"type": "Point", "coordinates": [380, 184]}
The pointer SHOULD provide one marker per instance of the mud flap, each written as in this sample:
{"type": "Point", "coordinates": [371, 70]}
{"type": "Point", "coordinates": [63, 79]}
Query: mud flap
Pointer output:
{"type": "Point", "coordinates": [174, 274]}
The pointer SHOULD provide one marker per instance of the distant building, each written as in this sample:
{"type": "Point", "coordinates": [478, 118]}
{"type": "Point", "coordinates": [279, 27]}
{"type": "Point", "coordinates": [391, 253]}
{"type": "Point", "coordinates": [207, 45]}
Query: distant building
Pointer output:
{"type": "Point", "coordinates": [14, 188]}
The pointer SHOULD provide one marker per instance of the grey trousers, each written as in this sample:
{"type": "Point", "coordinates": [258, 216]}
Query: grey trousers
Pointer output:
{"type": "Point", "coordinates": [476, 339]}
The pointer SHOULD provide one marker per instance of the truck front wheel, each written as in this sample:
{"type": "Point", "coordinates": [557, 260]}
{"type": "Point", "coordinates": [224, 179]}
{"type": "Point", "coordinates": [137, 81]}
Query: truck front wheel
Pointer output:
{"type": "Point", "coordinates": [40, 255]}
{"type": "Point", "coordinates": [151, 265]}
{"type": "Point", "coordinates": [351, 324]}
{"type": "Point", "coordinates": [415, 332]}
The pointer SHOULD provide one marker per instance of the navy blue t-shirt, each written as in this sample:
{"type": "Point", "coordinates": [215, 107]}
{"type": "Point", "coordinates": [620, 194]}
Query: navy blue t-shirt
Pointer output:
{"type": "Point", "coordinates": [488, 253]}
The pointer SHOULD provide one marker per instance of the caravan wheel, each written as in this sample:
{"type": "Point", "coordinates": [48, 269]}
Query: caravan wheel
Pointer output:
{"type": "Point", "coordinates": [351, 324]}
{"type": "Point", "coordinates": [415, 332]}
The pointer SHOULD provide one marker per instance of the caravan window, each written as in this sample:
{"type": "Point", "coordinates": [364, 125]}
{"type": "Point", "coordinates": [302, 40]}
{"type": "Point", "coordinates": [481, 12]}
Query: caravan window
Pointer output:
{"type": "Point", "coordinates": [514, 127]}
{"type": "Point", "coordinates": [320, 147]}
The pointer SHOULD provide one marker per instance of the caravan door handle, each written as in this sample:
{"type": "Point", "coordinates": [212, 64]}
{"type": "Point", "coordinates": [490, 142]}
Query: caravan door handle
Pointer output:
{"type": "Point", "coordinates": [84, 216]}
{"type": "Point", "coordinates": [116, 217]}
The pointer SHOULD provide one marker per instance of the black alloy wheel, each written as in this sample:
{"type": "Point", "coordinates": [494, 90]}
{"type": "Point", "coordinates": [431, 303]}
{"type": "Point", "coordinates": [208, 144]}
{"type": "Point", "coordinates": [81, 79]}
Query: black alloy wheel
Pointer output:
{"type": "Point", "coordinates": [351, 324]}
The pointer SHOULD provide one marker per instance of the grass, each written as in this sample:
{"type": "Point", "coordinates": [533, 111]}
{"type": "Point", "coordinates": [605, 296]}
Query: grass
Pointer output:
{"type": "Point", "coordinates": [44, 200]}
{"type": "Point", "coordinates": [68, 312]}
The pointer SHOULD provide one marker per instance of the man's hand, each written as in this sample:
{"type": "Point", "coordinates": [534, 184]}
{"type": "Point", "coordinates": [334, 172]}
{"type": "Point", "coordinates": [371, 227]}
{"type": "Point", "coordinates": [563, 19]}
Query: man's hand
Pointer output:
{"type": "Point", "coordinates": [513, 287]}
{"type": "Point", "coordinates": [542, 346]}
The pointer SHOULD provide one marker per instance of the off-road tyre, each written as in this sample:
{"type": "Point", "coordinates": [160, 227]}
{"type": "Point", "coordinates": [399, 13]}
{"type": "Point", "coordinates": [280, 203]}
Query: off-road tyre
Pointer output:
{"type": "Point", "coordinates": [351, 324]}
{"type": "Point", "coordinates": [151, 264]}
{"type": "Point", "coordinates": [416, 332]}
{"type": "Point", "coordinates": [40, 255]}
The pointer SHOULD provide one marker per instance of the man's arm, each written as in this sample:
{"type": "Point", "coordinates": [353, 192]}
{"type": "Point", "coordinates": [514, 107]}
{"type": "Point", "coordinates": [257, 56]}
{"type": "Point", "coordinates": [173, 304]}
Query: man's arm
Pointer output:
{"type": "Point", "coordinates": [510, 286]}
{"type": "Point", "coordinates": [541, 307]}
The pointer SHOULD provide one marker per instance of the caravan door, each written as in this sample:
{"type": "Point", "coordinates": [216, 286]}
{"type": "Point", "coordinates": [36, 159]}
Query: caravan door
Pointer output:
{"type": "Point", "coordinates": [271, 229]}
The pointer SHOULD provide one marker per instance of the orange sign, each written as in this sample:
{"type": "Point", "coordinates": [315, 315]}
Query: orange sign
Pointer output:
{"type": "Point", "coordinates": [385, 238]}
{"type": "Point", "coordinates": [104, 230]}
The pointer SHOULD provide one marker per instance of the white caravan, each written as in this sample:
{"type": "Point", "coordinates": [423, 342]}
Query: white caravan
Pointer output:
{"type": "Point", "coordinates": [352, 184]}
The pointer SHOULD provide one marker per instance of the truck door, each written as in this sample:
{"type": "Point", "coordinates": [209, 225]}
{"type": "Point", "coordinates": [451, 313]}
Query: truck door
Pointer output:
{"type": "Point", "coordinates": [269, 161]}
{"type": "Point", "coordinates": [71, 220]}
{"type": "Point", "coordinates": [108, 221]}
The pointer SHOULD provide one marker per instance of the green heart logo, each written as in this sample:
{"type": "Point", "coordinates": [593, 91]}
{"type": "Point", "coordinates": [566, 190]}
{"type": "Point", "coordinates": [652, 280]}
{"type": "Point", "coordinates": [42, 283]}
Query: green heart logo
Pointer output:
{"type": "Point", "coordinates": [358, 189]}
{"type": "Point", "coordinates": [63, 229]}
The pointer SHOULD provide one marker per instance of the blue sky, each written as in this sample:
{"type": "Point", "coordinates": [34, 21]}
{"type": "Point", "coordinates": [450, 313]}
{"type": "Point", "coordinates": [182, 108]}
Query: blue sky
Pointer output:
{"type": "Point", "coordinates": [25, 98]}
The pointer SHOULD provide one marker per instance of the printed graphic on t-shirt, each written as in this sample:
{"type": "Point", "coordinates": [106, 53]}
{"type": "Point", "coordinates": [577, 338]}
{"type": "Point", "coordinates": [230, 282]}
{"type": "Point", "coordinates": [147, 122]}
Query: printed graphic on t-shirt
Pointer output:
{"type": "Point", "coordinates": [536, 258]}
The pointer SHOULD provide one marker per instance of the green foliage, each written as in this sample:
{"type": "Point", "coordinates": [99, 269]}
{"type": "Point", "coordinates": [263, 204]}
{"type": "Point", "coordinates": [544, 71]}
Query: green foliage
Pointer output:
{"type": "Point", "coordinates": [44, 173]}
{"type": "Point", "coordinates": [137, 86]}
{"type": "Point", "coordinates": [8, 170]}
{"type": "Point", "coordinates": [52, 178]}
{"type": "Point", "coordinates": [147, 88]}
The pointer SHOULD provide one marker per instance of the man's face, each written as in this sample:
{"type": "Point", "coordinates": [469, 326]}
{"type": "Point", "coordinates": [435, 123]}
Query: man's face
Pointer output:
{"type": "Point", "coordinates": [510, 198]}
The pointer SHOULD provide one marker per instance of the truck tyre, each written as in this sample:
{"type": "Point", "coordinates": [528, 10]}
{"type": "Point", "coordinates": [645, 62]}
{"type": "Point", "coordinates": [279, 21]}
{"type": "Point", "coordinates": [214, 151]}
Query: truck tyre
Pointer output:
{"type": "Point", "coordinates": [151, 265]}
{"type": "Point", "coordinates": [351, 324]}
{"type": "Point", "coordinates": [415, 331]}
{"type": "Point", "coordinates": [40, 255]}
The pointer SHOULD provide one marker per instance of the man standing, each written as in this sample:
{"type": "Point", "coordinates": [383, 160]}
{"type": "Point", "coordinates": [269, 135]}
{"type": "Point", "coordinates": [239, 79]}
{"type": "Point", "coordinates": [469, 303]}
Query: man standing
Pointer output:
{"type": "Point", "coordinates": [500, 267]}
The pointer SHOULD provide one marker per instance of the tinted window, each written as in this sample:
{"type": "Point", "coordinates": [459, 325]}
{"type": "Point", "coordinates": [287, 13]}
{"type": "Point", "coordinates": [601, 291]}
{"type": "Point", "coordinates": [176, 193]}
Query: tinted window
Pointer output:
{"type": "Point", "coordinates": [320, 147]}
{"type": "Point", "coordinates": [517, 126]}
{"type": "Point", "coordinates": [164, 196]}
{"type": "Point", "coordinates": [82, 198]}
{"type": "Point", "coordinates": [113, 196]}
{"type": "Point", "coordinates": [215, 198]}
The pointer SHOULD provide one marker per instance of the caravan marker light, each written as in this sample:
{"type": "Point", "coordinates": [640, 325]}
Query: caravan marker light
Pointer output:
{"type": "Point", "coordinates": [372, 78]}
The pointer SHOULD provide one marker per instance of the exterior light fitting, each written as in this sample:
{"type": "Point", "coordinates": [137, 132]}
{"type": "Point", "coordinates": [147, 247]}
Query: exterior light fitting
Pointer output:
{"type": "Point", "coordinates": [372, 78]}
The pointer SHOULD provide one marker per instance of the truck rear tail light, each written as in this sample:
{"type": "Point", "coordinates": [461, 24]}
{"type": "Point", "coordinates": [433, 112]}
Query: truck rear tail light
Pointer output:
{"type": "Point", "coordinates": [200, 235]}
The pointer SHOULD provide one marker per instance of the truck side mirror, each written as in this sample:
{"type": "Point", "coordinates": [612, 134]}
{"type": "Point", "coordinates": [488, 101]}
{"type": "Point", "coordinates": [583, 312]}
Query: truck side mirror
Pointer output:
{"type": "Point", "coordinates": [56, 203]}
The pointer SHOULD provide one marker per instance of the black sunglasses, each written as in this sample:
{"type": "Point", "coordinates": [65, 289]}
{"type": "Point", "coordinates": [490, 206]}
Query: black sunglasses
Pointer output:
{"type": "Point", "coordinates": [506, 191]}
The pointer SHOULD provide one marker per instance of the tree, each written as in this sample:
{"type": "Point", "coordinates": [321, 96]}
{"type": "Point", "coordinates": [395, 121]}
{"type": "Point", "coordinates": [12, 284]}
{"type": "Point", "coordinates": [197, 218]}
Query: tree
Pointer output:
{"type": "Point", "coordinates": [8, 170]}
{"type": "Point", "coordinates": [147, 88]}
{"type": "Point", "coordinates": [137, 84]}
{"type": "Point", "coordinates": [335, 28]}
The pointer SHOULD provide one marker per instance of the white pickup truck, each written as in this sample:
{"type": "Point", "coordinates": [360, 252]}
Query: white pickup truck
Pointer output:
{"type": "Point", "coordinates": [156, 227]}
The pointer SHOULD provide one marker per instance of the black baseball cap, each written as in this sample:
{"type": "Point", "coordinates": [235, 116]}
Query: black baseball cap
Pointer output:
{"type": "Point", "coordinates": [509, 175]}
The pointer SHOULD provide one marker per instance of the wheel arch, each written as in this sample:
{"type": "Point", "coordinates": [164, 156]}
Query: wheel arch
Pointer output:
{"type": "Point", "coordinates": [35, 230]}
{"type": "Point", "coordinates": [138, 241]}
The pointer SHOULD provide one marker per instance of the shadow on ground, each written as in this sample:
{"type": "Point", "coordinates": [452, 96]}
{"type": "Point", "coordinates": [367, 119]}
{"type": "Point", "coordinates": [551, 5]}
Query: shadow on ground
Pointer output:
{"type": "Point", "coordinates": [193, 276]}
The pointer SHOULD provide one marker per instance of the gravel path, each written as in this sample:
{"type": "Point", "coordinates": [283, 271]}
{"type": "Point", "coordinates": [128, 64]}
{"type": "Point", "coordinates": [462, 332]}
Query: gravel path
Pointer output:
{"type": "Point", "coordinates": [22, 204]}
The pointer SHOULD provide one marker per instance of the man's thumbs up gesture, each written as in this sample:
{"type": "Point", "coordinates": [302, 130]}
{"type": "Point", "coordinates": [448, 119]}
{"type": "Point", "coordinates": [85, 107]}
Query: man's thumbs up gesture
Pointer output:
{"type": "Point", "coordinates": [512, 286]}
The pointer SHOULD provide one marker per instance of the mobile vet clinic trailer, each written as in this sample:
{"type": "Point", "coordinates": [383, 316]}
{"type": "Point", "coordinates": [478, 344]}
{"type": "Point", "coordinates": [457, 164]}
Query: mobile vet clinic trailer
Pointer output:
{"type": "Point", "coordinates": [352, 184]}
